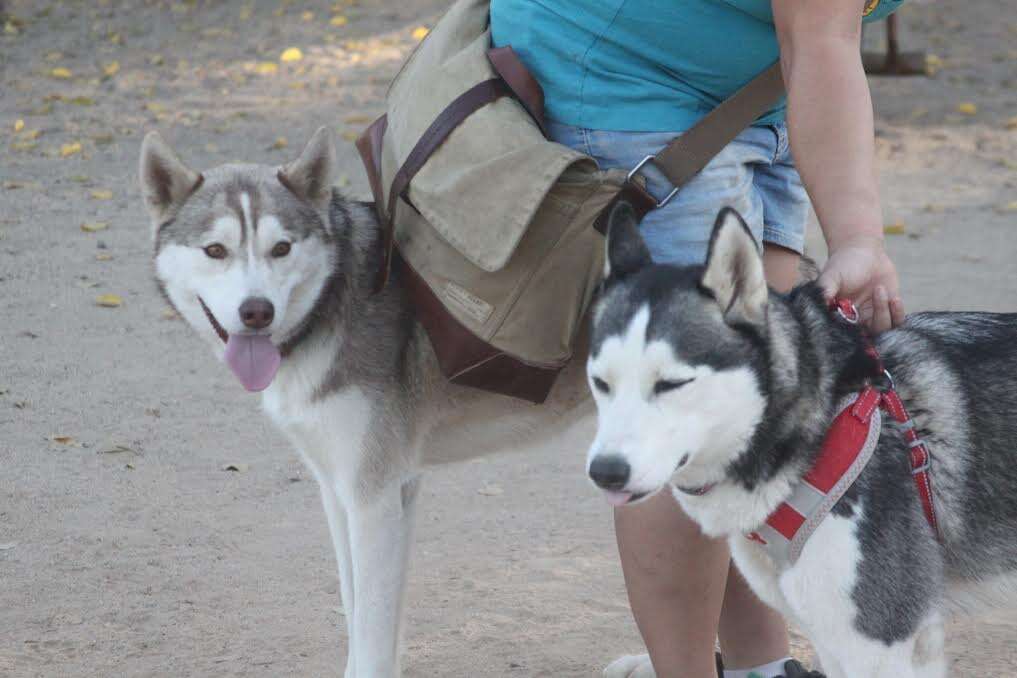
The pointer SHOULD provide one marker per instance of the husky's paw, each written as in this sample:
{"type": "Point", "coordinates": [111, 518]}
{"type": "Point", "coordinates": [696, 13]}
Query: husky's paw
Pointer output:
{"type": "Point", "coordinates": [631, 666]}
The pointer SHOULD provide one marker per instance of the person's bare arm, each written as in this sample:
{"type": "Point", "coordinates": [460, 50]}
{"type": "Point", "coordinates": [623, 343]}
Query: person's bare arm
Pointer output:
{"type": "Point", "coordinates": [832, 139]}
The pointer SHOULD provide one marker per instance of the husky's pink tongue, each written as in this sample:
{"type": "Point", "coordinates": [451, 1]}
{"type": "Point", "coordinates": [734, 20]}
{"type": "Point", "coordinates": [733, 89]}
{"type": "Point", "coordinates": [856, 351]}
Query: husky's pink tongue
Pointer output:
{"type": "Point", "coordinates": [617, 498]}
{"type": "Point", "coordinates": [253, 358]}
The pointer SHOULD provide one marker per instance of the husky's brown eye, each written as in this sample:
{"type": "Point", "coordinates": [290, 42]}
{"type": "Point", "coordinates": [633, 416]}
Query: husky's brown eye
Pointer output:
{"type": "Point", "coordinates": [216, 251]}
{"type": "Point", "coordinates": [281, 249]}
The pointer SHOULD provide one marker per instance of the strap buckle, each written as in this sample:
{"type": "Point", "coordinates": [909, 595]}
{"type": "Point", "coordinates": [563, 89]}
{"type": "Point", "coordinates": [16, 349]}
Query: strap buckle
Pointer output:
{"type": "Point", "coordinates": [847, 310]}
{"type": "Point", "coordinates": [635, 170]}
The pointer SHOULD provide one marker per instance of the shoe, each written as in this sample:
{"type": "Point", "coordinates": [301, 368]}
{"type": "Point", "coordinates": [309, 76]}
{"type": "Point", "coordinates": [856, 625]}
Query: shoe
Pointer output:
{"type": "Point", "coordinates": [792, 669]}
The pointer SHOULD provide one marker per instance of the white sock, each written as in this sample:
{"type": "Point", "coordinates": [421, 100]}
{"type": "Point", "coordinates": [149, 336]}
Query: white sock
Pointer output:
{"type": "Point", "coordinates": [771, 670]}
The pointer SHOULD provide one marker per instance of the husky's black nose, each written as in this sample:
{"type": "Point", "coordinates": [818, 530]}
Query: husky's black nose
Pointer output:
{"type": "Point", "coordinates": [257, 312]}
{"type": "Point", "coordinates": [610, 472]}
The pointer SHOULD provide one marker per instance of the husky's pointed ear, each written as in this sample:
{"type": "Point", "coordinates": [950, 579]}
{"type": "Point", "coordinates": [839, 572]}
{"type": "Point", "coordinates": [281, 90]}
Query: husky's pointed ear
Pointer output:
{"type": "Point", "coordinates": [626, 251]}
{"type": "Point", "coordinates": [734, 270]}
{"type": "Point", "coordinates": [310, 176]}
{"type": "Point", "coordinates": [166, 182]}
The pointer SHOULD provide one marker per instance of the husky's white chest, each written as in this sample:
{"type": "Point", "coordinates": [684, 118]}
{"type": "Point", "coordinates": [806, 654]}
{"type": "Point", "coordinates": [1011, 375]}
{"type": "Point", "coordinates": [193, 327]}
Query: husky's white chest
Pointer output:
{"type": "Point", "coordinates": [329, 431]}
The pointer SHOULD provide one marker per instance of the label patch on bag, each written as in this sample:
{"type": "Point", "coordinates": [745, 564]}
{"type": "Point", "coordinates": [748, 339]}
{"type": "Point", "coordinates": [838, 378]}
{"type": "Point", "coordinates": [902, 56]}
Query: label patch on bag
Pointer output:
{"type": "Point", "coordinates": [463, 300]}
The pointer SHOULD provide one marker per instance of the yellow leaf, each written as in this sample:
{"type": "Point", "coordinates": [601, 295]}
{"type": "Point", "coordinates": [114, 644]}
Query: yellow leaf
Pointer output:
{"type": "Point", "coordinates": [19, 125]}
{"type": "Point", "coordinates": [967, 108]}
{"type": "Point", "coordinates": [307, 16]}
{"type": "Point", "coordinates": [155, 107]}
{"type": "Point", "coordinates": [291, 54]}
{"type": "Point", "coordinates": [94, 226]}
{"type": "Point", "coordinates": [169, 314]}
{"type": "Point", "coordinates": [109, 300]}
{"type": "Point", "coordinates": [102, 194]}
{"type": "Point", "coordinates": [115, 38]}
{"type": "Point", "coordinates": [61, 73]}
{"type": "Point", "coordinates": [10, 28]}
{"type": "Point", "coordinates": [933, 64]}
{"type": "Point", "coordinates": [896, 228]}
{"type": "Point", "coordinates": [104, 257]}
{"type": "Point", "coordinates": [111, 69]}
{"type": "Point", "coordinates": [357, 119]}
{"type": "Point", "coordinates": [350, 136]}
{"type": "Point", "coordinates": [156, 60]}
{"type": "Point", "coordinates": [339, 20]}
{"type": "Point", "coordinates": [279, 143]}
{"type": "Point", "coordinates": [63, 440]}
{"type": "Point", "coordinates": [1009, 207]}
{"type": "Point", "coordinates": [82, 101]}
{"type": "Point", "coordinates": [420, 32]}
{"type": "Point", "coordinates": [266, 68]}
{"type": "Point", "coordinates": [70, 149]}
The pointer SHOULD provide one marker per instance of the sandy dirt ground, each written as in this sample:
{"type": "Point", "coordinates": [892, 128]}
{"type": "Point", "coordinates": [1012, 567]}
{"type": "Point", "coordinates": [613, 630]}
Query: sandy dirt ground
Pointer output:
{"type": "Point", "coordinates": [126, 549]}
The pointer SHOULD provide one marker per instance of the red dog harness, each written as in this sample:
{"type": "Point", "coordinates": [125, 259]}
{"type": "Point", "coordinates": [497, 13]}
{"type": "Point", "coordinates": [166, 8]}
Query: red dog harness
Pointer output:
{"type": "Point", "coordinates": [846, 450]}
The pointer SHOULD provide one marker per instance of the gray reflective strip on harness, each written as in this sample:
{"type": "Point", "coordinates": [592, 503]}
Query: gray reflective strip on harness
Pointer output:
{"type": "Point", "coordinates": [812, 504]}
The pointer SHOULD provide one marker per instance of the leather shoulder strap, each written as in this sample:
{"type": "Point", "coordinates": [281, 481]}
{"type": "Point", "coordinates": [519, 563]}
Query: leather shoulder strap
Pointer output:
{"type": "Point", "coordinates": [683, 158]}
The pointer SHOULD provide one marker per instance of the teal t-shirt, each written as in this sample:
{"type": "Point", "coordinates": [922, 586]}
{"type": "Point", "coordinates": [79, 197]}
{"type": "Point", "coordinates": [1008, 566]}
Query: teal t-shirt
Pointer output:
{"type": "Point", "coordinates": [643, 65]}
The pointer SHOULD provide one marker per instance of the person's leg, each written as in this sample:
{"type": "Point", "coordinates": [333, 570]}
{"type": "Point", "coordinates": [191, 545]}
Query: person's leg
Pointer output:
{"type": "Point", "coordinates": [675, 578]}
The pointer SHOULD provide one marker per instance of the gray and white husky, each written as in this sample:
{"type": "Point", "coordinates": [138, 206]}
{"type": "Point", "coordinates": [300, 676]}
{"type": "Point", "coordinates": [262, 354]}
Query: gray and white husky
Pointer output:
{"type": "Point", "coordinates": [274, 268]}
{"type": "Point", "coordinates": [704, 378]}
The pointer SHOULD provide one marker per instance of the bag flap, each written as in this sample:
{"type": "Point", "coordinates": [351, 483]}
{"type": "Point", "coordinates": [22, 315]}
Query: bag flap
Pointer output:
{"type": "Point", "coordinates": [483, 185]}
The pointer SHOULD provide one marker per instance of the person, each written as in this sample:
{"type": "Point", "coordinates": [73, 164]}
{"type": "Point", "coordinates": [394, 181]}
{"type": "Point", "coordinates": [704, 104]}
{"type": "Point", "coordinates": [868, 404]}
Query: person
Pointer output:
{"type": "Point", "coordinates": [621, 79]}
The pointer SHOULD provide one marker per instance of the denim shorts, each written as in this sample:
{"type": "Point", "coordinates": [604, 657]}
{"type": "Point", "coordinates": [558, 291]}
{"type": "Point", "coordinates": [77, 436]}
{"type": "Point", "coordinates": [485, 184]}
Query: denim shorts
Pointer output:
{"type": "Point", "coordinates": [754, 174]}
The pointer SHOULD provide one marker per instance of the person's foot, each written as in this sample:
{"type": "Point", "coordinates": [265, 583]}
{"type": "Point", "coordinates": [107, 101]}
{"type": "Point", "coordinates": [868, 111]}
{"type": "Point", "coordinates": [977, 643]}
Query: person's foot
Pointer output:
{"type": "Point", "coordinates": [794, 669]}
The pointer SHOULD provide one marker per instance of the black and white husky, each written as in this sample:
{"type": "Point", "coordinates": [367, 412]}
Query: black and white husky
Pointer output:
{"type": "Point", "coordinates": [274, 268]}
{"type": "Point", "coordinates": [704, 379]}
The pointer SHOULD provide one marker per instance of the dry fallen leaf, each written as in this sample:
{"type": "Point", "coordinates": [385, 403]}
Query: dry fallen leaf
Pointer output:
{"type": "Point", "coordinates": [169, 314]}
{"type": "Point", "coordinates": [103, 257]}
{"type": "Point", "coordinates": [109, 300]}
{"type": "Point", "coordinates": [350, 136]}
{"type": "Point", "coordinates": [357, 119]}
{"type": "Point", "coordinates": [19, 125]}
{"type": "Point", "coordinates": [1012, 123]}
{"type": "Point", "coordinates": [81, 101]}
{"type": "Point", "coordinates": [967, 108]}
{"type": "Point", "coordinates": [155, 107]}
{"type": "Point", "coordinates": [420, 32]}
{"type": "Point", "coordinates": [61, 73]}
{"type": "Point", "coordinates": [63, 440]}
{"type": "Point", "coordinates": [1008, 207]}
{"type": "Point", "coordinates": [896, 228]}
{"type": "Point", "coordinates": [111, 69]}
{"type": "Point", "coordinates": [291, 54]}
{"type": "Point", "coordinates": [266, 68]}
{"type": "Point", "coordinates": [70, 149]}
{"type": "Point", "coordinates": [279, 144]}
{"type": "Point", "coordinates": [933, 64]}
{"type": "Point", "coordinates": [94, 226]}
{"type": "Point", "coordinates": [307, 16]}
{"type": "Point", "coordinates": [339, 20]}
{"type": "Point", "coordinates": [102, 194]}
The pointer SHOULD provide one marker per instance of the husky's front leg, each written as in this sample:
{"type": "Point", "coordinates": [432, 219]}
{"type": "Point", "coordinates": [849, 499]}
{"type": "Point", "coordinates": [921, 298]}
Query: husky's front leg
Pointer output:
{"type": "Point", "coordinates": [380, 527]}
{"type": "Point", "coordinates": [339, 529]}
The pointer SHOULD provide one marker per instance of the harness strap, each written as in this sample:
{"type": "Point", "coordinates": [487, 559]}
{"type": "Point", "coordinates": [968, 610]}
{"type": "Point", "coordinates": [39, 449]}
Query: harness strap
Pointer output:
{"type": "Point", "coordinates": [918, 452]}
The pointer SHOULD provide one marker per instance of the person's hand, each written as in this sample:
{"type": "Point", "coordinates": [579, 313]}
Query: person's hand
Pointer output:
{"type": "Point", "coordinates": [861, 270]}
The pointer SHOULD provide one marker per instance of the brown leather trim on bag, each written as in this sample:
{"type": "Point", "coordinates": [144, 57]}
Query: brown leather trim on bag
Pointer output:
{"type": "Point", "coordinates": [461, 108]}
{"type": "Point", "coordinates": [632, 193]}
{"type": "Point", "coordinates": [464, 358]}
{"type": "Point", "coordinates": [522, 83]}
{"type": "Point", "coordinates": [369, 146]}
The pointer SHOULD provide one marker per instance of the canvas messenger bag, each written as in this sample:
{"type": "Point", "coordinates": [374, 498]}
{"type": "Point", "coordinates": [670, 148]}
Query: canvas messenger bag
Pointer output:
{"type": "Point", "coordinates": [498, 232]}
